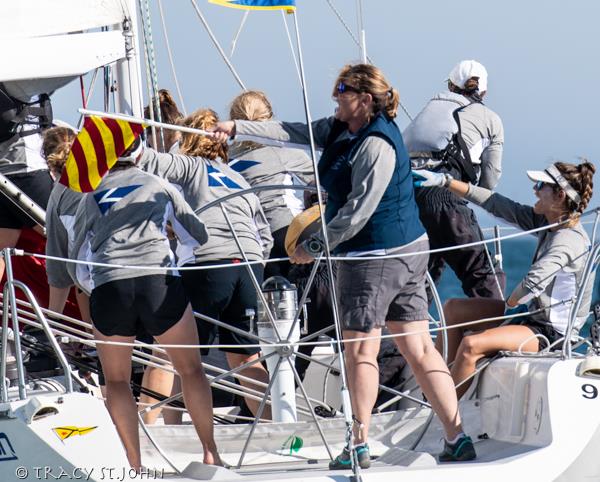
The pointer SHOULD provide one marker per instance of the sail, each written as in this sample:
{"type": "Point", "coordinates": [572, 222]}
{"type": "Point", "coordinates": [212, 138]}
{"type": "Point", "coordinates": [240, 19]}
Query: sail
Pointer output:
{"type": "Point", "coordinates": [40, 18]}
{"type": "Point", "coordinates": [52, 39]}
{"type": "Point", "coordinates": [60, 55]}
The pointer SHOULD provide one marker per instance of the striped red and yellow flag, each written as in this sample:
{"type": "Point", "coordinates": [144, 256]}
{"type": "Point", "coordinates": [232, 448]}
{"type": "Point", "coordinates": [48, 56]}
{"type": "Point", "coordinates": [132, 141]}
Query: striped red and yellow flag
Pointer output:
{"type": "Point", "coordinates": [96, 149]}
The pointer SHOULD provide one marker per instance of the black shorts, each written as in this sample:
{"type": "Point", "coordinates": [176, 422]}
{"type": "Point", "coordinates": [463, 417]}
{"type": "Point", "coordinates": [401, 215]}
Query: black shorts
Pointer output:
{"type": "Point", "coordinates": [545, 330]}
{"type": "Point", "coordinates": [37, 185]}
{"type": "Point", "coordinates": [130, 307]}
{"type": "Point", "coordinates": [280, 268]}
{"type": "Point", "coordinates": [537, 327]}
{"type": "Point", "coordinates": [228, 295]}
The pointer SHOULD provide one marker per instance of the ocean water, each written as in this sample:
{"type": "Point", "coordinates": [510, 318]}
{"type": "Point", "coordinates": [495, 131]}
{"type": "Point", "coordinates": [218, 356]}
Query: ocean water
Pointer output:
{"type": "Point", "coordinates": [517, 256]}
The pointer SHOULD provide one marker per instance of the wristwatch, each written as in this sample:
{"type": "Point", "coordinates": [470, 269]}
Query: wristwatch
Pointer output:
{"type": "Point", "coordinates": [313, 246]}
{"type": "Point", "coordinates": [448, 180]}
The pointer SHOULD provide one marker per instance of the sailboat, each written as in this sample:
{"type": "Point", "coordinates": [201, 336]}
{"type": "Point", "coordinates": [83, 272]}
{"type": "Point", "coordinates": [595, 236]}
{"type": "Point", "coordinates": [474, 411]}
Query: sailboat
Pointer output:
{"type": "Point", "coordinates": [533, 415]}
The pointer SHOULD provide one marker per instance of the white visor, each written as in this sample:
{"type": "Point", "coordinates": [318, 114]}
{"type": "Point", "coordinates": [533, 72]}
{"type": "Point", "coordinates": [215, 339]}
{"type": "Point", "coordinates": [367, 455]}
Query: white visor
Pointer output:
{"type": "Point", "coordinates": [542, 176]}
{"type": "Point", "coordinates": [551, 175]}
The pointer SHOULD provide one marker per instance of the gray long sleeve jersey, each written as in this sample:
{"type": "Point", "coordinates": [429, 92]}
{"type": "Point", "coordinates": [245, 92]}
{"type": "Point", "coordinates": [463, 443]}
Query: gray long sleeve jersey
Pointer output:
{"type": "Point", "coordinates": [60, 220]}
{"type": "Point", "coordinates": [203, 181]}
{"type": "Point", "coordinates": [370, 176]}
{"type": "Point", "coordinates": [558, 262]}
{"type": "Point", "coordinates": [124, 220]}
{"type": "Point", "coordinates": [482, 130]}
{"type": "Point", "coordinates": [263, 166]}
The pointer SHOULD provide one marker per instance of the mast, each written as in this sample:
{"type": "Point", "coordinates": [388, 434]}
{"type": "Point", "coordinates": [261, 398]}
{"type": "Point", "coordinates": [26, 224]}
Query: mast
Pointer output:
{"type": "Point", "coordinates": [129, 81]}
{"type": "Point", "coordinates": [361, 33]}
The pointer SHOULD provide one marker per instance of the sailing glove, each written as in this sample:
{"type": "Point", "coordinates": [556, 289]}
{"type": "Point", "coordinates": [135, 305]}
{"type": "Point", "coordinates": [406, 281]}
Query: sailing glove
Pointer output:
{"type": "Point", "coordinates": [425, 178]}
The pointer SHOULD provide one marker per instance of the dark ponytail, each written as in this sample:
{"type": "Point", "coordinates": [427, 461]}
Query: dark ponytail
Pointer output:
{"type": "Point", "coordinates": [470, 90]}
{"type": "Point", "coordinates": [580, 177]}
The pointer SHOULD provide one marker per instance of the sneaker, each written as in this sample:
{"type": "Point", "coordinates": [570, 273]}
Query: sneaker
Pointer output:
{"type": "Point", "coordinates": [343, 461]}
{"type": "Point", "coordinates": [460, 451]}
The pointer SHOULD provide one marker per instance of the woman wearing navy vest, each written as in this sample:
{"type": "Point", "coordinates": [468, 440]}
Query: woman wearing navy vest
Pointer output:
{"type": "Point", "coordinates": [370, 212]}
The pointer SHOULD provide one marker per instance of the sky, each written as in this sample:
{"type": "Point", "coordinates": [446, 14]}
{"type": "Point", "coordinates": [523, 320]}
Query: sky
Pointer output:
{"type": "Point", "coordinates": [541, 56]}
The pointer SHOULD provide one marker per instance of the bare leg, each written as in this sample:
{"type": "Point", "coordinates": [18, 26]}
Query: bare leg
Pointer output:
{"type": "Point", "coordinates": [430, 372]}
{"type": "Point", "coordinates": [83, 301]}
{"type": "Point", "coordinates": [157, 380]}
{"type": "Point", "coordinates": [461, 310]}
{"type": "Point", "coordinates": [116, 365]}
{"type": "Point", "coordinates": [488, 342]}
{"type": "Point", "coordinates": [8, 239]}
{"type": "Point", "coordinates": [170, 416]}
{"type": "Point", "coordinates": [363, 378]}
{"type": "Point", "coordinates": [196, 390]}
{"type": "Point", "coordinates": [256, 372]}
{"type": "Point", "coordinates": [58, 298]}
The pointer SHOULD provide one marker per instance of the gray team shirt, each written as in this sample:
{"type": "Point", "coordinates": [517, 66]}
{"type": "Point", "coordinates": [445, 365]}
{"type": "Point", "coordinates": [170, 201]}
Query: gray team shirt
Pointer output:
{"type": "Point", "coordinates": [370, 176]}
{"type": "Point", "coordinates": [558, 262]}
{"type": "Point", "coordinates": [482, 130]}
{"type": "Point", "coordinates": [60, 220]}
{"type": "Point", "coordinates": [203, 181]}
{"type": "Point", "coordinates": [265, 165]}
{"type": "Point", "coordinates": [124, 220]}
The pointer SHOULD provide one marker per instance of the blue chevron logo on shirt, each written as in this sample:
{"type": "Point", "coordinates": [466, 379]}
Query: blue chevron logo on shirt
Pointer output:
{"type": "Point", "coordinates": [239, 165]}
{"type": "Point", "coordinates": [218, 179]}
{"type": "Point", "coordinates": [106, 199]}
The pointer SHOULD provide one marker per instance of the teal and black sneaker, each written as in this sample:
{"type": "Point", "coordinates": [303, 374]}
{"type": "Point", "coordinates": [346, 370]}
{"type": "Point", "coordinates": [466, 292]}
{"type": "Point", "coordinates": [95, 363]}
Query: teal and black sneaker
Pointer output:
{"type": "Point", "coordinates": [343, 462]}
{"type": "Point", "coordinates": [460, 451]}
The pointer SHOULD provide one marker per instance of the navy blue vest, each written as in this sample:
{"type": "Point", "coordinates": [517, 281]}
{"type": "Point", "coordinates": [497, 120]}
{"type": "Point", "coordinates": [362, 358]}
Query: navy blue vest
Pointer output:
{"type": "Point", "coordinates": [395, 221]}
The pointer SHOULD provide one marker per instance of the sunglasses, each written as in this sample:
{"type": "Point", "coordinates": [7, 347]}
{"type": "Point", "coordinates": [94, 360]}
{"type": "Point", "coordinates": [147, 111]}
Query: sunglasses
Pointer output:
{"type": "Point", "coordinates": [341, 88]}
{"type": "Point", "coordinates": [539, 185]}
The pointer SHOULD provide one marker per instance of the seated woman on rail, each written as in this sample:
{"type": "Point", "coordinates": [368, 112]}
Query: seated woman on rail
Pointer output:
{"type": "Point", "coordinates": [563, 191]}
{"type": "Point", "coordinates": [124, 220]}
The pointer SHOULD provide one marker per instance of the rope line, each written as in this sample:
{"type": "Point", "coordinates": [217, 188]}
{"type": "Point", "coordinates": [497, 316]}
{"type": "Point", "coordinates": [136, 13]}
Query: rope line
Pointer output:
{"type": "Point", "coordinates": [357, 42]}
{"type": "Point", "coordinates": [18, 252]}
{"type": "Point", "coordinates": [151, 59]}
{"type": "Point", "coordinates": [170, 56]}
{"type": "Point", "coordinates": [149, 80]}
{"type": "Point", "coordinates": [140, 344]}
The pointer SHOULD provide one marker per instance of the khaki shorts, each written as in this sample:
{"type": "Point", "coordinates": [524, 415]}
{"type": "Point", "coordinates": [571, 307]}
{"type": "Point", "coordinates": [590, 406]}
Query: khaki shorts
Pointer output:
{"type": "Point", "coordinates": [371, 292]}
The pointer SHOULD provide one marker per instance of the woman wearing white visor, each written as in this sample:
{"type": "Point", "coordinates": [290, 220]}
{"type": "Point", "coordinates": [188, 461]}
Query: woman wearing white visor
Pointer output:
{"type": "Point", "coordinates": [563, 191]}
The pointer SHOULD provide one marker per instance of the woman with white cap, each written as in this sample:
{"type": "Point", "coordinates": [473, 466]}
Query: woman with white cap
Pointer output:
{"type": "Point", "coordinates": [563, 191]}
{"type": "Point", "coordinates": [456, 133]}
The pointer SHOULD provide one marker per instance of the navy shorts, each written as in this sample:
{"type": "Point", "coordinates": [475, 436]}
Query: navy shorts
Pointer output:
{"type": "Point", "coordinates": [135, 306]}
{"type": "Point", "coordinates": [228, 295]}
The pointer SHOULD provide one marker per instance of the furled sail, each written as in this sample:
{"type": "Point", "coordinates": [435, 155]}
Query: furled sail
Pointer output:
{"type": "Point", "coordinates": [40, 18]}
{"type": "Point", "coordinates": [53, 39]}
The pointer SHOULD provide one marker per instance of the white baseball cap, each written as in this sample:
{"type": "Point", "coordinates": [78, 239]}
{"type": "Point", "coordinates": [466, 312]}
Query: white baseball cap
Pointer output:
{"type": "Point", "coordinates": [466, 69]}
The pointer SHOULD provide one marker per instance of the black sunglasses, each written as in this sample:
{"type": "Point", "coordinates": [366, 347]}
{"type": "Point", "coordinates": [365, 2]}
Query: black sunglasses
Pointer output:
{"type": "Point", "coordinates": [539, 185]}
{"type": "Point", "coordinates": [341, 88]}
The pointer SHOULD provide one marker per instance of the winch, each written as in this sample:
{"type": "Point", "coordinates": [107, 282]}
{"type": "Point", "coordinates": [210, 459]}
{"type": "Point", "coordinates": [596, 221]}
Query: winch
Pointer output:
{"type": "Point", "coordinates": [281, 297]}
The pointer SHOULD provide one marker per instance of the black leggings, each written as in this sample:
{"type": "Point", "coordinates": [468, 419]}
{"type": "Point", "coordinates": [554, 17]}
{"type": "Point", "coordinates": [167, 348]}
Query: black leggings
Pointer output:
{"type": "Point", "coordinates": [449, 222]}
